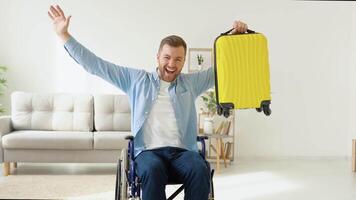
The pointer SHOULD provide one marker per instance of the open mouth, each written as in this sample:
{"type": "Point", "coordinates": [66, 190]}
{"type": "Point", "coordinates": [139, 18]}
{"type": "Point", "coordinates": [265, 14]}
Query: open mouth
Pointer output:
{"type": "Point", "coordinates": [170, 70]}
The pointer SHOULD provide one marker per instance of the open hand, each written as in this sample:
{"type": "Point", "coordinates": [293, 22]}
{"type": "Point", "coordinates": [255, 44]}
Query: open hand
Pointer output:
{"type": "Point", "coordinates": [60, 21]}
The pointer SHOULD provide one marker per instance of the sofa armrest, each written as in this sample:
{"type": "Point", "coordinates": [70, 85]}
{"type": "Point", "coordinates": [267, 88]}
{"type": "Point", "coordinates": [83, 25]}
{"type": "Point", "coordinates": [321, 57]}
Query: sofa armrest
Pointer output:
{"type": "Point", "coordinates": [5, 128]}
{"type": "Point", "coordinates": [5, 125]}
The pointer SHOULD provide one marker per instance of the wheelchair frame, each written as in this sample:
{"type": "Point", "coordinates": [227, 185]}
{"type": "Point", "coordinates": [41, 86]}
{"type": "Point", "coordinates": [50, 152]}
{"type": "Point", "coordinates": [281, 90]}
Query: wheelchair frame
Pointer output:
{"type": "Point", "coordinates": [128, 186]}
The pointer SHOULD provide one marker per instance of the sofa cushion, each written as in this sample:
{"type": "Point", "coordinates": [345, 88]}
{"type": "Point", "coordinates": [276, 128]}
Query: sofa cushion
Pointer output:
{"type": "Point", "coordinates": [110, 140]}
{"type": "Point", "coordinates": [58, 112]}
{"type": "Point", "coordinates": [112, 113]}
{"type": "Point", "coordinates": [65, 140]}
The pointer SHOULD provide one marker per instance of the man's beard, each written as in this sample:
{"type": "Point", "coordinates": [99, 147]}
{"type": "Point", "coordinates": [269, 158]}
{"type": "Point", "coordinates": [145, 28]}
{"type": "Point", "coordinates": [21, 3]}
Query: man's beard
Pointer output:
{"type": "Point", "coordinates": [166, 74]}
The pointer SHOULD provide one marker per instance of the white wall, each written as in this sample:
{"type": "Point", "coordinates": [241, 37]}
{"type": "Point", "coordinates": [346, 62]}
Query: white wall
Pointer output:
{"type": "Point", "coordinates": [312, 51]}
{"type": "Point", "coordinates": [352, 84]}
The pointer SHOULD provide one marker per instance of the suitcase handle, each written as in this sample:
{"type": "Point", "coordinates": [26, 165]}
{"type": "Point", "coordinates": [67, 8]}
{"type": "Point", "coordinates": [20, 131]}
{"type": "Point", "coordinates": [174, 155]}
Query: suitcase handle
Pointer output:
{"type": "Point", "coordinates": [227, 32]}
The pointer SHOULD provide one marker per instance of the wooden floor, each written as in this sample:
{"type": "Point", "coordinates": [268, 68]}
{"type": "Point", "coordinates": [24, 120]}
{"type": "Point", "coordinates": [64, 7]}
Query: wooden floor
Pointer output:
{"type": "Point", "coordinates": [243, 180]}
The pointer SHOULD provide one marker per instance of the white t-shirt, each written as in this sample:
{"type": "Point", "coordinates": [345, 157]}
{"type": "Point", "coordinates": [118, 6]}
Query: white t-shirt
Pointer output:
{"type": "Point", "coordinates": [160, 129]}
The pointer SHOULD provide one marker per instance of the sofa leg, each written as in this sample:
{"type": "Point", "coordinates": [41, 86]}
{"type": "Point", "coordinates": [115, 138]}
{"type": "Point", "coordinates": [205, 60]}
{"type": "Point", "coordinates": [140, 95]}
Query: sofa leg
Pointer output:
{"type": "Point", "coordinates": [6, 169]}
{"type": "Point", "coordinates": [14, 164]}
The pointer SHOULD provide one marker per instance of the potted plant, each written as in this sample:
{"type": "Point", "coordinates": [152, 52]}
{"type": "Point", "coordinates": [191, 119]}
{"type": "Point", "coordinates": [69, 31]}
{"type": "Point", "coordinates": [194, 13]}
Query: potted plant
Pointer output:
{"type": "Point", "coordinates": [3, 84]}
{"type": "Point", "coordinates": [200, 61]}
{"type": "Point", "coordinates": [209, 100]}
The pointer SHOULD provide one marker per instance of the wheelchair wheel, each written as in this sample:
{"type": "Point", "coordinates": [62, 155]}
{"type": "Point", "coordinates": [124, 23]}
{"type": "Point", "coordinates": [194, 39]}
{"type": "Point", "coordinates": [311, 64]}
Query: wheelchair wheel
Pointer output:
{"type": "Point", "coordinates": [211, 194]}
{"type": "Point", "coordinates": [123, 178]}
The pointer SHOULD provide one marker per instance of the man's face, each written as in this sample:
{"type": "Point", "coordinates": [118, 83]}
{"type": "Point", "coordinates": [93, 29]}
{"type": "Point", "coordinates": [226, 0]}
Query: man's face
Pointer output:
{"type": "Point", "coordinates": [170, 62]}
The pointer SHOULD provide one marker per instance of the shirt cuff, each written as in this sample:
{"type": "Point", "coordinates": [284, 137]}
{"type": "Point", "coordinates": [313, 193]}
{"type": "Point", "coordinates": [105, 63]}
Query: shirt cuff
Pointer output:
{"type": "Point", "coordinates": [70, 43]}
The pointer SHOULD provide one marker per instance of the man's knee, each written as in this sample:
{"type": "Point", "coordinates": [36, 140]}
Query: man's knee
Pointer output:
{"type": "Point", "coordinates": [149, 165]}
{"type": "Point", "coordinates": [153, 168]}
{"type": "Point", "coordinates": [199, 169]}
{"type": "Point", "coordinates": [197, 165]}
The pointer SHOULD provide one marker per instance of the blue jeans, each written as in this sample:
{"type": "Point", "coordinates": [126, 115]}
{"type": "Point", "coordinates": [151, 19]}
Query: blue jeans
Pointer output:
{"type": "Point", "coordinates": [157, 167]}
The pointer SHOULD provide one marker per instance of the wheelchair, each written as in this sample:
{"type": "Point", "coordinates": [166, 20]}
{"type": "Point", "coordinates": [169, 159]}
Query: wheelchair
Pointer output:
{"type": "Point", "coordinates": [128, 185]}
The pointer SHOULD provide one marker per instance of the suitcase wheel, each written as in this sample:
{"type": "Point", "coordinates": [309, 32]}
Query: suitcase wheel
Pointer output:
{"type": "Point", "coordinates": [226, 113]}
{"type": "Point", "coordinates": [224, 109]}
{"type": "Point", "coordinates": [265, 107]}
{"type": "Point", "coordinates": [266, 110]}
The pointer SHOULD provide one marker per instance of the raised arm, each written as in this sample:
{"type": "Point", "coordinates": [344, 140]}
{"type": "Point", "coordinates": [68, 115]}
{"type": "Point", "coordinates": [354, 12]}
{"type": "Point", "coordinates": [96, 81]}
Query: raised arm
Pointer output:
{"type": "Point", "coordinates": [119, 76]}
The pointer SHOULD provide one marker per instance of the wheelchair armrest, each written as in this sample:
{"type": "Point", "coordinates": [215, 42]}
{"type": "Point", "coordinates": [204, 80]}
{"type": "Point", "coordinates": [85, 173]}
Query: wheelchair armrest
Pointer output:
{"type": "Point", "coordinates": [130, 146]}
{"type": "Point", "coordinates": [200, 138]}
{"type": "Point", "coordinates": [129, 137]}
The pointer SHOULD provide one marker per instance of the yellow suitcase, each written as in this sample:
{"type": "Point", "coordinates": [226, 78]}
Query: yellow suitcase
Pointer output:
{"type": "Point", "coordinates": [242, 77]}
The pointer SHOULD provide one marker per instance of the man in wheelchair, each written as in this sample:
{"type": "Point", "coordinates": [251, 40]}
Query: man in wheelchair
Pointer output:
{"type": "Point", "coordinates": [163, 118]}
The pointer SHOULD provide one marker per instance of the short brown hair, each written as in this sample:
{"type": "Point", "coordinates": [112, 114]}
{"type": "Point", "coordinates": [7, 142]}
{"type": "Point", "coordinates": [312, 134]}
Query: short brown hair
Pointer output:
{"type": "Point", "coordinates": [174, 41]}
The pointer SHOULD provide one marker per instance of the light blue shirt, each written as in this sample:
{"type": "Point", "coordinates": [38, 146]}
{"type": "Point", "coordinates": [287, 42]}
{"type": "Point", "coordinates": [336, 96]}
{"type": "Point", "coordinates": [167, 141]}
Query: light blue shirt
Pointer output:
{"type": "Point", "coordinates": [142, 89]}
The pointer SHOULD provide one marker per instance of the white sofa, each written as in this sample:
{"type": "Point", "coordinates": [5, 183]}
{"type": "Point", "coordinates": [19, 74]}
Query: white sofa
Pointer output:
{"type": "Point", "coordinates": [63, 128]}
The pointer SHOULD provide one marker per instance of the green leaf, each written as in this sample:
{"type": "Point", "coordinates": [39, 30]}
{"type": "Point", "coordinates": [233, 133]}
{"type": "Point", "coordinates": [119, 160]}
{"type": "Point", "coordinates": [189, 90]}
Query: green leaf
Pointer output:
{"type": "Point", "coordinates": [3, 68]}
{"type": "Point", "coordinates": [3, 81]}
